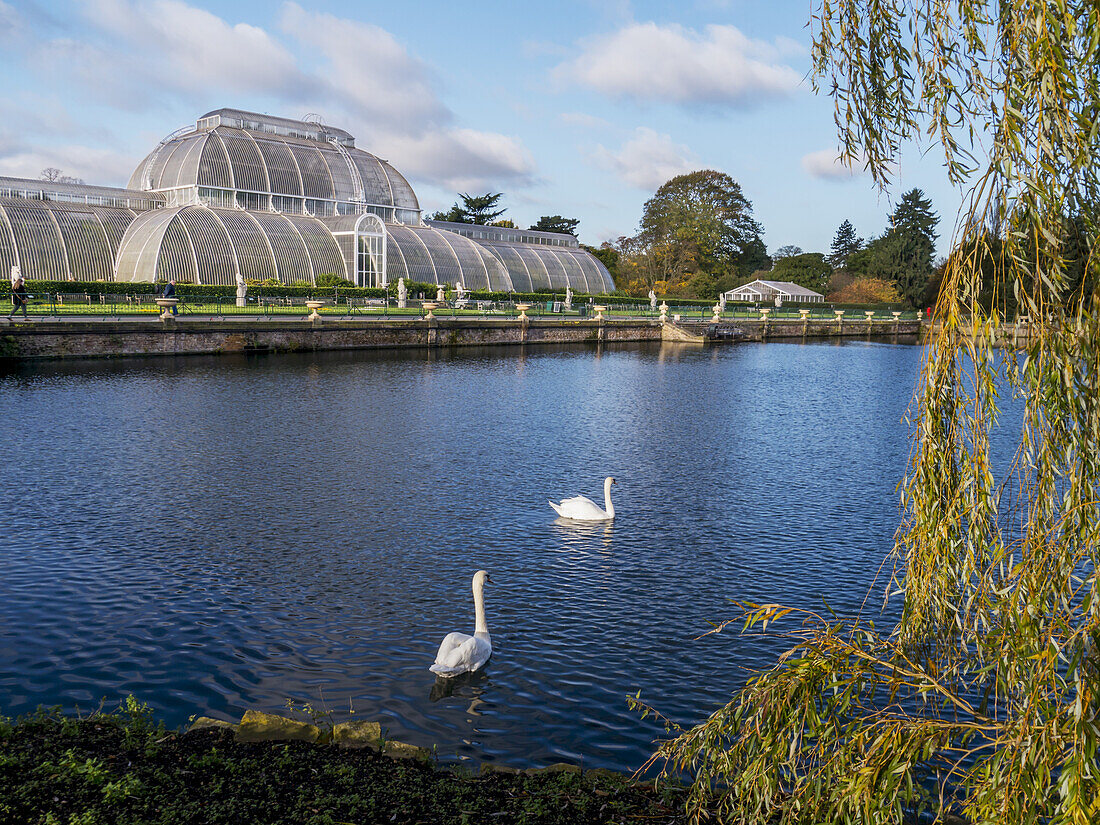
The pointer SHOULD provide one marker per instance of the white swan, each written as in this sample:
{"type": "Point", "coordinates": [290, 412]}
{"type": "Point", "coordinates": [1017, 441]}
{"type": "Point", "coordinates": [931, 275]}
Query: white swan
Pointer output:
{"type": "Point", "coordinates": [460, 653]}
{"type": "Point", "coordinates": [580, 508]}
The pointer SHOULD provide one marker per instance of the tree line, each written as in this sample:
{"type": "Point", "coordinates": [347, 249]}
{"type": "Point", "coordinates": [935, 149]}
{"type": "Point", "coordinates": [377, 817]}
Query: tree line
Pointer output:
{"type": "Point", "coordinates": [698, 238]}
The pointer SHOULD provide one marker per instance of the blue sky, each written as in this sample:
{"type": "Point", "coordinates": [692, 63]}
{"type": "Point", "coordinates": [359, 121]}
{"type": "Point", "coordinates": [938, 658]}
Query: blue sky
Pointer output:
{"type": "Point", "coordinates": [574, 108]}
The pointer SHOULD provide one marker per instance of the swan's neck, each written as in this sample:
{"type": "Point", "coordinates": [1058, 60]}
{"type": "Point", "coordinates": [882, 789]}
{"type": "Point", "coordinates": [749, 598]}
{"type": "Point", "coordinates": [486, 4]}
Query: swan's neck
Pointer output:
{"type": "Point", "coordinates": [607, 505]}
{"type": "Point", "coordinates": [480, 625]}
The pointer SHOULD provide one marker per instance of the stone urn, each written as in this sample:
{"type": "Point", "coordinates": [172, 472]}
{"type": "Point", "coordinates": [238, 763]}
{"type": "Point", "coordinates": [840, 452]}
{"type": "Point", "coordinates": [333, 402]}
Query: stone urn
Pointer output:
{"type": "Point", "coordinates": [897, 316]}
{"type": "Point", "coordinates": [314, 306]}
{"type": "Point", "coordinates": [166, 305]}
{"type": "Point", "coordinates": [600, 309]}
{"type": "Point", "coordinates": [764, 313]}
{"type": "Point", "coordinates": [717, 310]}
{"type": "Point", "coordinates": [523, 311]}
{"type": "Point", "coordinates": [430, 305]}
{"type": "Point", "coordinates": [804, 314]}
{"type": "Point", "coordinates": [870, 313]}
{"type": "Point", "coordinates": [664, 311]}
{"type": "Point", "coordinates": [839, 313]}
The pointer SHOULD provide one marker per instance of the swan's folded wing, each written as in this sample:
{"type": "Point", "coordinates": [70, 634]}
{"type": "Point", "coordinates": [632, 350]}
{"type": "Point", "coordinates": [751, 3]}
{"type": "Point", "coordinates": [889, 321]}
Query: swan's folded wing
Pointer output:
{"type": "Point", "coordinates": [464, 654]}
{"type": "Point", "coordinates": [578, 501]}
{"type": "Point", "coordinates": [451, 643]}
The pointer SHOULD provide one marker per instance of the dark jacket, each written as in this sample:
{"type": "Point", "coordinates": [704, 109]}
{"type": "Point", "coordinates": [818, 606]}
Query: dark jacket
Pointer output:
{"type": "Point", "coordinates": [169, 291]}
{"type": "Point", "coordinates": [19, 295]}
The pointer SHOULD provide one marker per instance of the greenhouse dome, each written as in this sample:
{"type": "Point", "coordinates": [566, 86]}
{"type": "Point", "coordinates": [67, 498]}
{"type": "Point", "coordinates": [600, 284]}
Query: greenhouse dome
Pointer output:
{"type": "Point", "coordinates": [202, 245]}
{"type": "Point", "coordinates": [270, 198]}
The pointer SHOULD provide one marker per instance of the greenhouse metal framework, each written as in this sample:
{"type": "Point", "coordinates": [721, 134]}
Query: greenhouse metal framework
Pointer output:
{"type": "Point", "coordinates": [269, 198]}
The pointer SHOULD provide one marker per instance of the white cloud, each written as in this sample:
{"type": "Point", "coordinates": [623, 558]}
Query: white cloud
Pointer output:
{"type": "Point", "coordinates": [825, 164]}
{"type": "Point", "coordinates": [719, 66]}
{"type": "Point", "coordinates": [648, 159]}
{"type": "Point", "coordinates": [369, 71]}
{"type": "Point", "coordinates": [463, 159]}
{"type": "Point", "coordinates": [102, 167]}
{"type": "Point", "coordinates": [193, 51]}
{"type": "Point", "coordinates": [138, 55]}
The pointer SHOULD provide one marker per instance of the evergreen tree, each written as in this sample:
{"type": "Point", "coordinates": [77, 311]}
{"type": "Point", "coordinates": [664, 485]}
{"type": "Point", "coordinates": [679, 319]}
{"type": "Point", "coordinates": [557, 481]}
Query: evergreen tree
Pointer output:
{"type": "Point", "coordinates": [845, 243]}
{"type": "Point", "coordinates": [556, 223]}
{"type": "Point", "coordinates": [473, 209]}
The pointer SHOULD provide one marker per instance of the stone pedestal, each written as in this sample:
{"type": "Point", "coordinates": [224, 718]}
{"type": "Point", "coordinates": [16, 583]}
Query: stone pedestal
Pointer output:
{"type": "Point", "coordinates": [314, 306]}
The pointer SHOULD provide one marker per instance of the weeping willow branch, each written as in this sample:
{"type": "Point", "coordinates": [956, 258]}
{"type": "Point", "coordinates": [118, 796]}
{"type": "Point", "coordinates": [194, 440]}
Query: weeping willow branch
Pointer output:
{"type": "Point", "coordinates": [981, 701]}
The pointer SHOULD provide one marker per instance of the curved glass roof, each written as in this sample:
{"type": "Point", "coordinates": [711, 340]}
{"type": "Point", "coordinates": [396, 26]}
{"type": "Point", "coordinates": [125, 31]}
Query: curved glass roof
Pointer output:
{"type": "Point", "coordinates": [53, 241]}
{"type": "Point", "coordinates": [198, 244]}
{"type": "Point", "coordinates": [534, 268]}
{"type": "Point", "coordinates": [244, 160]}
{"type": "Point", "coordinates": [420, 253]}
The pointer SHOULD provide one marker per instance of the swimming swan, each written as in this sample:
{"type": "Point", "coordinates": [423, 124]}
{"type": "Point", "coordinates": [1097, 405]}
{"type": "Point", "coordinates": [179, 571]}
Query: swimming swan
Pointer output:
{"type": "Point", "coordinates": [580, 508]}
{"type": "Point", "coordinates": [460, 653]}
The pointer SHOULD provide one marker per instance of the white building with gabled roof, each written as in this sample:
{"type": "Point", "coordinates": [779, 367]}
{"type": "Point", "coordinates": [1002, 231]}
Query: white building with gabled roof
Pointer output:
{"type": "Point", "coordinates": [777, 291]}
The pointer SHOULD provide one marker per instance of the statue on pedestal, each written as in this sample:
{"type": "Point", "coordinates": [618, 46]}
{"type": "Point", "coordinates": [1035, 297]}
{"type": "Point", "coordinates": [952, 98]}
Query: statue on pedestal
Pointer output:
{"type": "Point", "coordinates": [722, 301]}
{"type": "Point", "coordinates": [242, 291]}
{"type": "Point", "coordinates": [439, 296]}
{"type": "Point", "coordinates": [460, 291]}
{"type": "Point", "coordinates": [16, 274]}
{"type": "Point", "coordinates": [652, 299]}
{"type": "Point", "coordinates": [402, 293]}
{"type": "Point", "coordinates": [568, 297]}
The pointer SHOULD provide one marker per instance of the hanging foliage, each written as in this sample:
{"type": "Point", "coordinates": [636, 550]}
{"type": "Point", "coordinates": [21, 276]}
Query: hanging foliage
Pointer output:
{"type": "Point", "coordinates": [981, 700]}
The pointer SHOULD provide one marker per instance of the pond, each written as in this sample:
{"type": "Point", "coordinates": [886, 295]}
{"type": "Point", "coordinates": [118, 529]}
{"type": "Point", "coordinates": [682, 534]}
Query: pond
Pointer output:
{"type": "Point", "coordinates": [217, 534]}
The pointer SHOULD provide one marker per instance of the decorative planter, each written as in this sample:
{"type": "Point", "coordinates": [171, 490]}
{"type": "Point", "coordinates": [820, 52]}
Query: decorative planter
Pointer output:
{"type": "Point", "coordinates": [166, 304]}
{"type": "Point", "coordinates": [523, 311]}
{"type": "Point", "coordinates": [314, 305]}
{"type": "Point", "coordinates": [430, 305]}
{"type": "Point", "coordinates": [600, 310]}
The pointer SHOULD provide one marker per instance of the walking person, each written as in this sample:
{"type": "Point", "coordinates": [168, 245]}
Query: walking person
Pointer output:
{"type": "Point", "coordinates": [18, 298]}
{"type": "Point", "coordinates": [170, 292]}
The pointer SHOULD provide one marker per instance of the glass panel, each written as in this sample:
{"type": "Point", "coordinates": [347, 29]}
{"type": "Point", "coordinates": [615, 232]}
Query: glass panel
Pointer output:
{"type": "Point", "coordinates": [322, 247]}
{"type": "Point", "coordinates": [376, 188]}
{"type": "Point", "coordinates": [282, 171]}
{"type": "Point", "coordinates": [86, 245]}
{"type": "Point", "coordinates": [248, 169]}
{"type": "Point", "coordinates": [212, 248]}
{"type": "Point", "coordinates": [290, 251]}
{"type": "Point", "coordinates": [316, 180]}
{"type": "Point", "coordinates": [40, 254]}
{"type": "Point", "coordinates": [7, 245]}
{"type": "Point", "coordinates": [176, 260]}
{"type": "Point", "coordinates": [417, 261]}
{"type": "Point", "coordinates": [253, 253]}
{"type": "Point", "coordinates": [214, 165]}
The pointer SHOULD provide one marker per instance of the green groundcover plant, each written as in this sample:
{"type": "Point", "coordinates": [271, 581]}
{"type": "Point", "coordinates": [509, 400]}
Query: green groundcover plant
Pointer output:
{"type": "Point", "coordinates": [981, 701]}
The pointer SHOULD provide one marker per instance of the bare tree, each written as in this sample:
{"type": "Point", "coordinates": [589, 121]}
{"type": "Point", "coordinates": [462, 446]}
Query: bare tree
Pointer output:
{"type": "Point", "coordinates": [55, 175]}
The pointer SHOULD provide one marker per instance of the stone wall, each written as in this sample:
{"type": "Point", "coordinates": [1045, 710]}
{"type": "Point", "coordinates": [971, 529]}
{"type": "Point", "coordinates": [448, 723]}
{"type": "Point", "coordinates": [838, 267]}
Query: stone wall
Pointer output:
{"type": "Point", "coordinates": [65, 337]}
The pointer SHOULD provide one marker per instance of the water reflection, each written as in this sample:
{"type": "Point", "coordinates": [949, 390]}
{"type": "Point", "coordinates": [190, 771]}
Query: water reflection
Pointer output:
{"type": "Point", "coordinates": [575, 534]}
{"type": "Point", "coordinates": [309, 526]}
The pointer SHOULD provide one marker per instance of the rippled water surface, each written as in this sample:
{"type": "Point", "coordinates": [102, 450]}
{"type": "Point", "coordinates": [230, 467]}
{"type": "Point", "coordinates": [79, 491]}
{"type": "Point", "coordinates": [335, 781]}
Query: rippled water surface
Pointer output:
{"type": "Point", "coordinates": [219, 534]}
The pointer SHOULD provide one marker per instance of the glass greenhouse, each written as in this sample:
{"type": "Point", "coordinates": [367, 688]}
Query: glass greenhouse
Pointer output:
{"type": "Point", "coordinates": [269, 197]}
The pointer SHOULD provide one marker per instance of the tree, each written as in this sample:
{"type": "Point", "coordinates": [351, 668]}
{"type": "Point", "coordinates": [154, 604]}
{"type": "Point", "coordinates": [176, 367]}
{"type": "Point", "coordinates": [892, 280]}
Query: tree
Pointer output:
{"type": "Point", "coordinates": [903, 254]}
{"type": "Point", "coordinates": [980, 699]}
{"type": "Point", "coordinates": [786, 252]}
{"type": "Point", "coordinates": [506, 223]}
{"type": "Point", "coordinates": [845, 242]}
{"type": "Point", "coordinates": [55, 175]}
{"type": "Point", "coordinates": [866, 291]}
{"type": "Point", "coordinates": [705, 217]}
{"type": "Point", "coordinates": [809, 269]}
{"type": "Point", "coordinates": [556, 223]}
{"type": "Point", "coordinates": [477, 209]}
